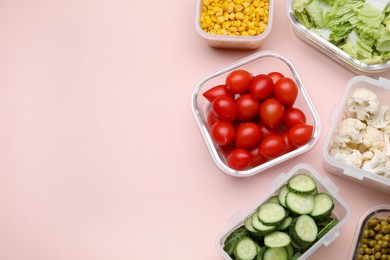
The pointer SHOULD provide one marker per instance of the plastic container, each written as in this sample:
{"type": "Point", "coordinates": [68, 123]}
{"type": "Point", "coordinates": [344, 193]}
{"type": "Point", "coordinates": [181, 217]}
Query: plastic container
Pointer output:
{"type": "Point", "coordinates": [234, 42]}
{"type": "Point", "coordinates": [341, 210]}
{"type": "Point", "coordinates": [330, 49]}
{"type": "Point", "coordinates": [380, 183]}
{"type": "Point", "coordinates": [258, 63]}
{"type": "Point", "coordinates": [379, 211]}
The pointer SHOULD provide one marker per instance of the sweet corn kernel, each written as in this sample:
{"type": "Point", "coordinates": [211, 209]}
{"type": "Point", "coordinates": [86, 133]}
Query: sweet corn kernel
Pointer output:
{"type": "Point", "coordinates": [234, 17]}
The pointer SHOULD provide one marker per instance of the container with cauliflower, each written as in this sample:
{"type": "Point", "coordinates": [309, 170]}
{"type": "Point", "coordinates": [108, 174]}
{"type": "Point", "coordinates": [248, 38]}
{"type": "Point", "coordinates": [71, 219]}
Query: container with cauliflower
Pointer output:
{"type": "Point", "coordinates": [358, 144]}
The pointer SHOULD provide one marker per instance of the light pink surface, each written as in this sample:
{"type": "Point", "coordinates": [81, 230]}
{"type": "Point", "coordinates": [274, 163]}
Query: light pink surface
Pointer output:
{"type": "Point", "coordinates": [100, 157]}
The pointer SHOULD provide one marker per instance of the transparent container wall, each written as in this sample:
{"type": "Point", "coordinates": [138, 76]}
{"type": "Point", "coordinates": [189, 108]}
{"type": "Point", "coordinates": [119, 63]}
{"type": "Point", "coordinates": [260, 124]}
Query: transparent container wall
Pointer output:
{"type": "Point", "coordinates": [259, 63]}
{"type": "Point", "coordinates": [341, 210]}
{"type": "Point", "coordinates": [381, 87]}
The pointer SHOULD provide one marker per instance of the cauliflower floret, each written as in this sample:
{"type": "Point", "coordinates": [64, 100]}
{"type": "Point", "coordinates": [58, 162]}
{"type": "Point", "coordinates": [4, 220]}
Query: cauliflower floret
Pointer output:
{"type": "Point", "coordinates": [381, 118]}
{"type": "Point", "coordinates": [348, 156]}
{"type": "Point", "coordinates": [386, 137]}
{"type": "Point", "coordinates": [348, 131]}
{"type": "Point", "coordinates": [379, 164]}
{"type": "Point", "coordinates": [373, 139]}
{"type": "Point", "coordinates": [363, 103]}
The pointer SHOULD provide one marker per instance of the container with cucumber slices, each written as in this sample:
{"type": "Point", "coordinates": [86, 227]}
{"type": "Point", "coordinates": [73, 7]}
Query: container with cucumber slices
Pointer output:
{"type": "Point", "coordinates": [301, 213]}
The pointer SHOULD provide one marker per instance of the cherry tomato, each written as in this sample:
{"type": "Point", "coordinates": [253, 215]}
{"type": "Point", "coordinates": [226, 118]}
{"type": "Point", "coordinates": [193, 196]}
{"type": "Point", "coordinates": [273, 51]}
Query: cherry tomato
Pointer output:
{"type": "Point", "coordinates": [272, 146]}
{"type": "Point", "coordinates": [300, 134]}
{"type": "Point", "coordinates": [224, 108]}
{"type": "Point", "coordinates": [211, 118]}
{"type": "Point", "coordinates": [293, 116]}
{"type": "Point", "coordinates": [261, 86]}
{"type": "Point", "coordinates": [238, 81]}
{"type": "Point", "coordinates": [275, 76]}
{"type": "Point", "coordinates": [222, 133]}
{"type": "Point", "coordinates": [216, 91]}
{"type": "Point", "coordinates": [239, 159]}
{"type": "Point", "coordinates": [288, 146]}
{"type": "Point", "coordinates": [247, 135]}
{"type": "Point", "coordinates": [265, 131]}
{"type": "Point", "coordinates": [257, 158]}
{"type": "Point", "coordinates": [227, 149]}
{"type": "Point", "coordinates": [247, 107]}
{"type": "Point", "coordinates": [271, 112]}
{"type": "Point", "coordinates": [286, 91]}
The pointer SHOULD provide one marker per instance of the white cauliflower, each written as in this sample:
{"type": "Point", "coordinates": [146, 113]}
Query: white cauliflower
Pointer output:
{"type": "Point", "coordinates": [373, 139]}
{"type": "Point", "coordinates": [362, 103]}
{"type": "Point", "coordinates": [386, 137]}
{"type": "Point", "coordinates": [381, 118]}
{"type": "Point", "coordinates": [348, 131]}
{"type": "Point", "coordinates": [379, 164]}
{"type": "Point", "coordinates": [351, 156]}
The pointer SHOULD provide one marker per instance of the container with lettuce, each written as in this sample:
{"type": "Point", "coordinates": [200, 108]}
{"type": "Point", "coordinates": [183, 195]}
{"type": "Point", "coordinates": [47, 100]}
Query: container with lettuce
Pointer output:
{"type": "Point", "coordinates": [361, 28]}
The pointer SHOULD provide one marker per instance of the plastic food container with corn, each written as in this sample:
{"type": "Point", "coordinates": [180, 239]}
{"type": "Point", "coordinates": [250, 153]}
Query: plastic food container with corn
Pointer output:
{"type": "Point", "coordinates": [237, 24]}
{"type": "Point", "coordinates": [372, 235]}
{"type": "Point", "coordinates": [258, 63]}
{"type": "Point", "coordinates": [348, 49]}
{"type": "Point", "coordinates": [357, 146]}
{"type": "Point", "coordinates": [341, 212]}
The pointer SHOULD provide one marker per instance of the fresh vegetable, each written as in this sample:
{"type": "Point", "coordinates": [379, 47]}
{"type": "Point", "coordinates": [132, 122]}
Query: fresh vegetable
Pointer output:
{"type": "Point", "coordinates": [362, 138]}
{"type": "Point", "coordinates": [261, 111]}
{"type": "Point", "coordinates": [360, 28]}
{"type": "Point", "coordinates": [238, 18]}
{"type": "Point", "coordinates": [280, 233]}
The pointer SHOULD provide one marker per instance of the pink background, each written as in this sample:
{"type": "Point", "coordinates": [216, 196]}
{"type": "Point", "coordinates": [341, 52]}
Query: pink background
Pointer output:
{"type": "Point", "coordinates": [100, 156]}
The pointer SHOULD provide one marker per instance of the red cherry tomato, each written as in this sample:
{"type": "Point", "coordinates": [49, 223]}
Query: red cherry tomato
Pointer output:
{"type": "Point", "coordinates": [247, 135]}
{"type": "Point", "coordinates": [288, 146]}
{"type": "Point", "coordinates": [267, 131]}
{"type": "Point", "coordinates": [257, 158]}
{"type": "Point", "coordinates": [300, 134]}
{"type": "Point", "coordinates": [227, 149]}
{"type": "Point", "coordinates": [224, 108]}
{"type": "Point", "coordinates": [247, 107]}
{"type": "Point", "coordinates": [293, 116]}
{"type": "Point", "coordinates": [222, 133]}
{"type": "Point", "coordinates": [239, 159]}
{"type": "Point", "coordinates": [286, 91]}
{"type": "Point", "coordinates": [261, 86]}
{"type": "Point", "coordinates": [211, 118]}
{"type": "Point", "coordinates": [275, 76]}
{"type": "Point", "coordinates": [272, 146]}
{"type": "Point", "coordinates": [216, 91]}
{"type": "Point", "coordinates": [238, 81]}
{"type": "Point", "coordinates": [271, 112]}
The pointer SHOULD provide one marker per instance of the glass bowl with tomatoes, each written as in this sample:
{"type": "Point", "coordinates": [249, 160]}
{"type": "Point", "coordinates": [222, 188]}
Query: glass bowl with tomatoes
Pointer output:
{"type": "Point", "coordinates": [255, 114]}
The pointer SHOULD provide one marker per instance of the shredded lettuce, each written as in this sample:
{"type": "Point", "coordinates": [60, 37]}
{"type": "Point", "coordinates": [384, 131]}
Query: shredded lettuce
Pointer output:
{"type": "Point", "coordinates": [361, 28]}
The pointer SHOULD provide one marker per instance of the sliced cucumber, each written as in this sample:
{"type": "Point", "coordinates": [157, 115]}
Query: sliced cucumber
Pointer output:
{"type": "Point", "coordinates": [260, 255]}
{"type": "Point", "coordinates": [274, 199]}
{"type": "Point", "coordinates": [282, 195]}
{"type": "Point", "coordinates": [323, 206]}
{"type": "Point", "coordinates": [260, 227]}
{"type": "Point", "coordinates": [232, 238]}
{"type": "Point", "coordinates": [303, 230]}
{"type": "Point", "coordinates": [302, 183]}
{"type": "Point", "coordinates": [327, 228]}
{"type": "Point", "coordinates": [290, 250]}
{"type": "Point", "coordinates": [277, 239]}
{"type": "Point", "coordinates": [276, 253]}
{"type": "Point", "coordinates": [299, 203]}
{"type": "Point", "coordinates": [296, 256]}
{"type": "Point", "coordinates": [248, 225]}
{"type": "Point", "coordinates": [246, 249]}
{"type": "Point", "coordinates": [286, 223]}
{"type": "Point", "coordinates": [271, 214]}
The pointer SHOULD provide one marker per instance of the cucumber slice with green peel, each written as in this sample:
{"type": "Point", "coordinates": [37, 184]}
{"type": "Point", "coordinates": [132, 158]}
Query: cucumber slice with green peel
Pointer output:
{"type": "Point", "coordinates": [271, 213]}
{"type": "Point", "coordinates": [323, 206]}
{"type": "Point", "coordinates": [327, 228]}
{"type": "Point", "coordinates": [276, 253]}
{"type": "Point", "coordinates": [290, 250]}
{"type": "Point", "coordinates": [277, 239]}
{"type": "Point", "coordinates": [302, 183]}
{"type": "Point", "coordinates": [232, 238]}
{"type": "Point", "coordinates": [260, 255]}
{"type": "Point", "coordinates": [260, 227]}
{"type": "Point", "coordinates": [246, 249]}
{"type": "Point", "coordinates": [286, 223]}
{"type": "Point", "coordinates": [282, 195]}
{"type": "Point", "coordinates": [303, 230]}
{"type": "Point", "coordinates": [248, 225]}
{"type": "Point", "coordinates": [273, 199]}
{"type": "Point", "coordinates": [299, 203]}
{"type": "Point", "coordinates": [296, 256]}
